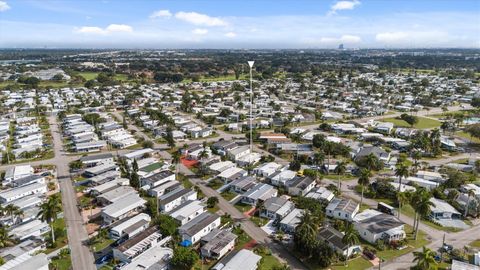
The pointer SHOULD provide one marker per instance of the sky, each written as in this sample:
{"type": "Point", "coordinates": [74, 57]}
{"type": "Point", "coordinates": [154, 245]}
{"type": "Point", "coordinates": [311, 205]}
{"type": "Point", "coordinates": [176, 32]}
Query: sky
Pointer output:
{"type": "Point", "coordinates": [239, 24]}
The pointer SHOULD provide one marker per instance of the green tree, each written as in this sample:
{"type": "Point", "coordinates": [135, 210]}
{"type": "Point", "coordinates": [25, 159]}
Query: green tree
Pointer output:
{"type": "Point", "coordinates": [364, 180]}
{"type": "Point", "coordinates": [184, 258]}
{"type": "Point", "coordinates": [350, 237]}
{"type": "Point", "coordinates": [340, 170]}
{"type": "Point", "coordinates": [49, 210]}
{"type": "Point", "coordinates": [212, 202]}
{"type": "Point", "coordinates": [402, 172]}
{"type": "Point", "coordinates": [425, 259]}
{"type": "Point", "coordinates": [5, 238]}
{"type": "Point", "coordinates": [166, 224]}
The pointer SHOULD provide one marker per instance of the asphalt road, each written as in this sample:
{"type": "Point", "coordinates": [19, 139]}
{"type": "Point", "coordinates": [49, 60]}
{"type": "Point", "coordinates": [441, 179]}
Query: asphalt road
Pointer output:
{"type": "Point", "coordinates": [81, 256]}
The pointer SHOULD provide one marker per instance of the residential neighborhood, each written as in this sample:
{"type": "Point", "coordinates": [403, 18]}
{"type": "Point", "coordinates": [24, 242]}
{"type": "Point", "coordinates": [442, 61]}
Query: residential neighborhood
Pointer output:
{"type": "Point", "coordinates": [363, 169]}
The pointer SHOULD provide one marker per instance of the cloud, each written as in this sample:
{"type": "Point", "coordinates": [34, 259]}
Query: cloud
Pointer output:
{"type": "Point", "coordinates": [112, 28]}
{"type": "Point", "coordinates": [161, 13]}
{"type": "Point", "coordinates": [200, 31]}
{"type": "Point", "coordinates": [4, 6]}
{"type": "Point", "coordinates": [231, 34]}
{"type": "Point", "coordinates": [90, 30]}
{"type": "Point", "coordinates": [343, 5]}
{"type": "Point", "coordinates": [119, 28]}
{"type": "Point", "coordinates": [391, 37]}
{"type": "Point", "coordinates": [199, 19]}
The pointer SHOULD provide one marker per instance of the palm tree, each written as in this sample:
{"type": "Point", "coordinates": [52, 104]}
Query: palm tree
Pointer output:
{"type": "Point", "coordinates": [402, 198]}
{"type": "Point", "coordinates": [176, 161]}
{"type": "Point", "coordinates": [401, 171]}
{"type": "Point", "coordinates": [328, 148]}
{"type": "Point", "coordinates": [364, 180]}
{"type": "Point", "coordinates": [422, 207]}
{"type": "Point", "coordinates": [350, 237]}
{"type": "Point", "coordinates": [12, 210]}
{"type": "Point", "coordinates": [281, 267]}
{"type": "Point", "coordinates": [371, 161]}
{"type": "Point", "coordinates": [5, 239]}
{"type": "Point", "coordinates": [318, 158]}
{"type": "Point", "coordinates": [49, 210]}
{"type": "Point", "coordinates": [471, 194]}
{"type": "Point", "coordinates": [340, 170]}
{"type": "Point", "coordinates": [416, 157]}
{"type": "Point", "coordinates": [425, 259]}
{"type": "Point", "coordinates": [306, 232]}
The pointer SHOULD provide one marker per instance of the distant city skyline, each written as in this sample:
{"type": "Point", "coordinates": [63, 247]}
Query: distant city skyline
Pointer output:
{"type": "Point", "coordinates": [249, 24]}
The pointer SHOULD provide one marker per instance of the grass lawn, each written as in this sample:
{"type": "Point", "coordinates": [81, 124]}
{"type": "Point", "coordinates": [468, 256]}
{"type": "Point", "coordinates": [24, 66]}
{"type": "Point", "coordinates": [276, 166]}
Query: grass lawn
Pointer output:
{"type": "Point", "coordinates": [465, 135]}
{"type": "Point", "coordinates": [242, 207]}
{"type": "Point", "coordinates": [421, 241]}
{"type": "Point", "coordinates": [62, 264]}
{"type": "Point", "coordinates": [228, 195]}
{"type": "Point", "coordinates": [89, 75]}
{"type": "Point", "coordinates": [423, 123]}
{"type": "Point", "coordinates": [213, 209]}
{"type": "Point", "coordinates": [60, 235]}
{"type": "Point", "coordinates": [358, 263]}
{"type": "Point", "coordinates": [243, 238]}
{"type": "Point", "coordinates": [259, 221]}
{"type": "Point", "coordinates": [100, 245]}
{"type": "Point", "coordinates": [269, 262]}
{"type": "Point", "coordinates": [335, 177]}
{"type": "Point", "coordinates": [215, 184]}
{"type": "Point", "coordinates": [475, 243]}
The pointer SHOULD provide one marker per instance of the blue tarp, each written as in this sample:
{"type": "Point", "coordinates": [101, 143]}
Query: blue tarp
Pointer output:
{"type": "Point", "coordinates": [185, 243]}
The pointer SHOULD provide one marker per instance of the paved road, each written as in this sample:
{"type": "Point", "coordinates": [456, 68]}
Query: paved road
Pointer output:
{"type": "Point", "coordinates": [248, 226]}
{"type": "Point", "coordinates": [82, 258]}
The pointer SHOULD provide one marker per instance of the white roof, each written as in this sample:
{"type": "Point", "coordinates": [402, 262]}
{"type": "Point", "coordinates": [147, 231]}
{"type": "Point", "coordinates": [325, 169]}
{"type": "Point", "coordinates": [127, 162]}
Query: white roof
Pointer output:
{"type": "Point", "coordinates": [149, 258]}
{"type": "Point", "coordinates": [122, 226]}
{"type": "Point", "coordinates": [187, 209]}
{"type": "Point", "coordinates": [138, 153]}
{"type": "Point", "coordinates": [243, 260]}
{"type": "Point", "coordinates": [229, 172]}
{"type": "Point", "coordinates": [27, 262]}
{"type": "Point", "coordinates": [442, 206]}
{"type": "Point", "coordinates": [123, 206]}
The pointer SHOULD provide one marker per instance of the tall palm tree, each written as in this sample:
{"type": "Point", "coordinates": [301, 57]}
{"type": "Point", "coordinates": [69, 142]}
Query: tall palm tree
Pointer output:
{"type": "Point", "coordinates": [364, 180]}
{"type": "Point", "coordinates": [402, 172]}
{"type": "Point", "coordinates": [49, 210]}
{"type": "Point", "coordinates": [5, 239]}
{"type": "Point", "coordinates": [423, 207]}
{"type": "Point", "coordinates": [306, 232]}
{"type": "Point", "coordinates": [176, 161]}
{"type": "Point", "coordinates": [416, 157]}
{"type": "Point", "coordinates": [470, 194]}
{"type": "Point", "coordinates": [371, 161]}
{"type": "Point", "coordinates": [328, 148]}
{"type": "Point", "coordinates": [350, 237]}
{"type": "Point", "coordinates": [425, 259]}
{"type": "Point", "coordinates": [12, 210]}
{"type": "Point", "coordinates": [318, 158]}
{"type": "Point", "coordinates": [340, 170]}
{"type": "Point", "coordinates": [402, 198]}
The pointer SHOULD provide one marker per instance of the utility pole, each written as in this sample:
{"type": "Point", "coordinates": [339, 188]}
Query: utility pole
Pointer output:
{"type": "Point", "coordinates": [250, 64]}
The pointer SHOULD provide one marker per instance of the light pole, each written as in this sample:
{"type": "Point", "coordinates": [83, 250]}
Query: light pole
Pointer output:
{"type": "Point", "coordinates": [250, 64]}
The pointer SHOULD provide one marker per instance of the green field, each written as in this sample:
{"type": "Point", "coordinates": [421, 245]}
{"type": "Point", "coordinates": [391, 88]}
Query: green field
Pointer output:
{"type": "Point", "coordinates": [423, 123]}
{"type": "Point", "coordinates": [465, 135]}
{"type": "Point", "coordinates": [89, 75]}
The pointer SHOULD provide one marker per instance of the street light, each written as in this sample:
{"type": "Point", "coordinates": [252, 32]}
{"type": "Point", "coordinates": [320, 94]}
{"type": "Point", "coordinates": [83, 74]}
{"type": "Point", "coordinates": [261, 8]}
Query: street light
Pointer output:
{"type": "Point", "coordinates": [250, 64]}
